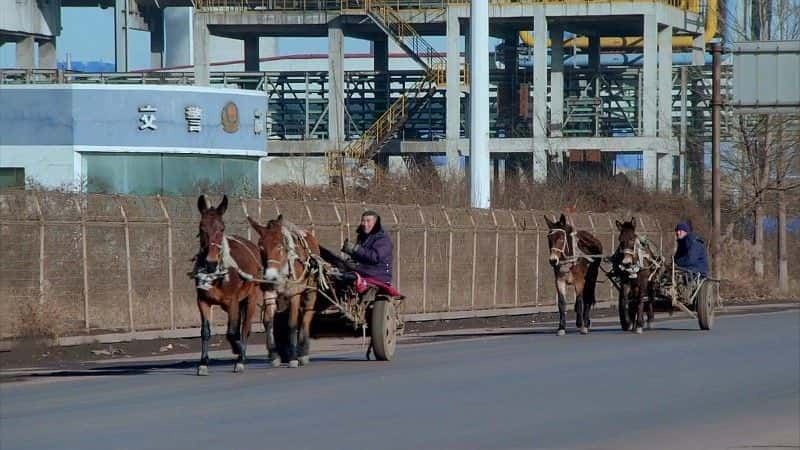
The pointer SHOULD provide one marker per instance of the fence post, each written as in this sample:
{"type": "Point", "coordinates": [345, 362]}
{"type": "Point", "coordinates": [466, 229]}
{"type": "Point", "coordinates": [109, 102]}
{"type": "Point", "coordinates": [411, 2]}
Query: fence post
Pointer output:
{"type": "Point", "coordinates": [84, 265]}
{"type": "Point", "coordinates": [397, 242]}
{"type": "Point", "coordinates": [341, 227]}
{"type": "Point", "coordinates": [536, 285]}
{"type": "Point", "coordinates": [244, 209]}
{"type": "Point", "coordinates": [449, 258]}
{"type": "Point", "coordinates": [424, 260]}
{"type": "Point", "coordinates": [474, 258]}
{"type": "Point", "coordinates": [496, 257]}
{"type": "Point", "coordinates": [170, 261]}
{"type": "Point", "coordinates": [41, 247]}
{"type": "Point", "coordinates": [128, 264]}
{"type": "Point", "coordinates": [516, 259]}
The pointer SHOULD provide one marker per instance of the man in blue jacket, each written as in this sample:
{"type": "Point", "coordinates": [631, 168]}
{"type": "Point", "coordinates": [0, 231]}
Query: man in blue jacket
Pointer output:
{"type": "Point", "coordinates": [690, 251]}
{"type": "Point", "coordinates": [373, 249]}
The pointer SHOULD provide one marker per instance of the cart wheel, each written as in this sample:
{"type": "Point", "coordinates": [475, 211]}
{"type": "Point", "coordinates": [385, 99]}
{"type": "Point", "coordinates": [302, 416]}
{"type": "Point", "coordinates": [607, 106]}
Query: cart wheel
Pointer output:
{"type": "Point", "coordinates": [705, 306]}
{"type": "Point", "coordinates": [384, 330]}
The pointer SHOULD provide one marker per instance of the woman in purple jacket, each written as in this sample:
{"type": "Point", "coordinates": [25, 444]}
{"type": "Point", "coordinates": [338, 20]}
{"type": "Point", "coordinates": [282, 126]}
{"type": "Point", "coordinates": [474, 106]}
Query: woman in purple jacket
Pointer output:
{"type": "Point", "coordinates": [373, 249]}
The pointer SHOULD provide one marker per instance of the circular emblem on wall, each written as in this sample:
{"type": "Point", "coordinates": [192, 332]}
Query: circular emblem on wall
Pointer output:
{"type": "Point", "coordinates": [230, 117]}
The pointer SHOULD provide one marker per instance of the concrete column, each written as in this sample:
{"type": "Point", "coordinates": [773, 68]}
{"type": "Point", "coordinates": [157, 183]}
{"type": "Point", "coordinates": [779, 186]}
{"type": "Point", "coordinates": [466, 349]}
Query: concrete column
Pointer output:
{"type": "Point", "coordinates": [540, 75]}
{"type": "Point", "coordinates": [540, 156]}
{"type": "Point", "coordinates": [480, 186]}
{"type": "Point", "coordinates": [251, 54]}
{"type": "Point", "coordinates": [200, 41]}
{"type": "Point", "coordinates": [336, 83]}
{"type": "Point", "coordinates": [665, 82]}
{"type": "Point", "coordinates": [699, 50]}
{"type": "Point", "coordinates": [178, 36]}
{"type": "Point", "coordinates": [594, 64]}
{"type": "Point", "coordinates": [380, 62]}
{"type": "Point", "coordinates": [453, 94]}
{"type": "Point", "coordinates": [665, 168]}
{"type": "Point", "coordinates": [156, 24]}
{"type": "Point", "coordinates": [25, 53]}
{"type": "Point", "coordinates": [121, 35]}
{"type": "Point", "coordinates": [556, 79]}
{"type": "Point", "coordinates": [650, 77]}
{"type": "Point", "coordinates": [47, 54]}
{"type": "Point", "coordinates": [649, 168]}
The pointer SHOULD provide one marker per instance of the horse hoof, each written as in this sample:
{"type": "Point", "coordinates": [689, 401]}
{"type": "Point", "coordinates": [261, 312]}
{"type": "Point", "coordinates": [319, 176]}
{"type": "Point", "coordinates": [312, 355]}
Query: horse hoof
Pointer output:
{"type": "Point", "coordinates": [202, 371]}
{"type": "Point", "coordinates": [294, 364]}
{"type": "Point", "coordinates": [304, 360]}
{"type": "Point", "coordinates": [275, 362]}
{"type": "Point", "coordinates": [649, 326]}
{"type": "Point", "coordinates": [630, 327]}
{"type": "Point", "coordinates": [238, 367]}
{"type": "Point", "coordinates": [584, 330]}
{"type": "Point", "coordinates": [638, 330]}
{"type": "Point", "coordinates": [561, 332]}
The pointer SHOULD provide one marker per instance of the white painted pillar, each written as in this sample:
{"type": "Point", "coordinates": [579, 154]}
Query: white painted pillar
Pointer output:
{"type": "Point", "coordinates": [665, 82]}
{"type": "Point", "coordinates": [47, 54]}
{"type": "Point", "coordinates": [649, 168]}
{"type": "Point", "coordinates": [540, 75]}
{"type": "Point", "coordinates": [649, 93]}
{"type": "Point", "coordinates": [25, 53]}
{"type": "Point", "coordinates": [699, 50]}
{"type": "Point", "coordinates": [336, 83]}
{"type": "Point", "coordinates": [200, 46]}
{"type": "Point", "coordinates": [121, 35]}
{"type": "Point", "coordinates": [453, 99]}
{"type": "Point", "coordinates": [665, 169]}
{"type": "Point", "coordinates": [480, 195]}
{"type": "Point", "coordinates": [556, 79]}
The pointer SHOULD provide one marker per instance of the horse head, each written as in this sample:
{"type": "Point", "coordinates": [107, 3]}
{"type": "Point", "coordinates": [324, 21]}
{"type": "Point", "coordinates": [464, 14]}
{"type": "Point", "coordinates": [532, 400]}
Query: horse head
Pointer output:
{"type": "Point", "coordinates": [559, 240]}
{"type": "Point", "coordinates": [274, 254]}
{"type": "Point", "coordinates": [212, 231]}
{"type": "Point", "coordinates": [628, 242]}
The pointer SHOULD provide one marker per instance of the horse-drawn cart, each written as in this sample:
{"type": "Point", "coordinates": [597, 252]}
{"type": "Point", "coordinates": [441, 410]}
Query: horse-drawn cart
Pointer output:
{"type": "Point", "coordinates": [366, 305]}
{"type": "Point", "coordinates": [690, 292]}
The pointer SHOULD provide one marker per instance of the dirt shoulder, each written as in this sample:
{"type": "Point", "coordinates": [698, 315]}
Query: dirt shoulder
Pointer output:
{"type": "Point", "coordinates": [28, 354]}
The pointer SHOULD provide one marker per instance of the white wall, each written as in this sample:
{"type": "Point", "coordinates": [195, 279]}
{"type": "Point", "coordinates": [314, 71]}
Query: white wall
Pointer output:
{"type": "Point", "coordinates": [52, 166]}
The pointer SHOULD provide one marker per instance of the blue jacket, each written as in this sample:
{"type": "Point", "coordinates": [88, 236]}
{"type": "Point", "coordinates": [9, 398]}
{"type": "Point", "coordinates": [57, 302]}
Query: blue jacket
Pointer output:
{"type": "Point", "coordinates": [374, 254]}
{"type": "Point", "coordinates": [690, 254]}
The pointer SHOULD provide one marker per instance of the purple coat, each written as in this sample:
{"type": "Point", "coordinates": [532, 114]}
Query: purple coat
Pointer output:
{"type": "Point", "coordinates": [374, 254]}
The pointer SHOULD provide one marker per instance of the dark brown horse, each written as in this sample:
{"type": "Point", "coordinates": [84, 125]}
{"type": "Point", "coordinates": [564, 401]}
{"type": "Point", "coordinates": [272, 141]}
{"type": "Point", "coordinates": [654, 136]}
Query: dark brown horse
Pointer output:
{"type": "Point", "coordinates": [223, 273]}
{"type": "Point", "coordinates": [637, 266]}
{"type": "Point", "coordinates": [575, 258]}
{"type": "Point", "coordinates": [290, 257]}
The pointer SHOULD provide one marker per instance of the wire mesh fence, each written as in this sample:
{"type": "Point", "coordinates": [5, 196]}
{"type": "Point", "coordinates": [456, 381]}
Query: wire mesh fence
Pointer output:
{"type": "Point", "coordinates": [102, 263]}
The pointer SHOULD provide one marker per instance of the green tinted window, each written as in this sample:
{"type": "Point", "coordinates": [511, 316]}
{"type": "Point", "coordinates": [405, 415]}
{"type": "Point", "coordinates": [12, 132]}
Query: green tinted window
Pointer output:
{"type": "Point", "coordinates": [123, 173]}
{"type": "Point", "coordinates": [12, 177]}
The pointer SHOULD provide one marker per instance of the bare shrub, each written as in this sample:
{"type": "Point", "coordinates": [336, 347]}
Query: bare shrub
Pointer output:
{"type": "Point", "coordinates": [38, 317]}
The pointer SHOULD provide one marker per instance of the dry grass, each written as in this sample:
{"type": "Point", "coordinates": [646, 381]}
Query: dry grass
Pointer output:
{"type": "Point", "coordinates": [38, 318]}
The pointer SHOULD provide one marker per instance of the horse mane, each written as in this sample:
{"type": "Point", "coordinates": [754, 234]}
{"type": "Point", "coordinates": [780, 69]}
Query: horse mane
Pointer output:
{"type": "Point", "coordinates": [588, 243]}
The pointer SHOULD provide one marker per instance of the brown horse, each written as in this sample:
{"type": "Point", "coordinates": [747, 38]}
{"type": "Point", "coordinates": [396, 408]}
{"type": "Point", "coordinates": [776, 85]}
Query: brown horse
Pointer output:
{"type": "Point", "coordinates": [223, 273]}
{"type": "Point", "coordinates": [575, 258]}
{"type": "Point", "coordinates": [638, 268]}
{"type": "Point", "coordinates": [290, 257]}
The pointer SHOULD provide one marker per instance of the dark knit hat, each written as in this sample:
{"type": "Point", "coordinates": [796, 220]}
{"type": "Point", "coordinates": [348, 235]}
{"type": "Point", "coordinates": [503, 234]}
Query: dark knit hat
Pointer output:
{"type": "Point", "coordinates": [683, 226]}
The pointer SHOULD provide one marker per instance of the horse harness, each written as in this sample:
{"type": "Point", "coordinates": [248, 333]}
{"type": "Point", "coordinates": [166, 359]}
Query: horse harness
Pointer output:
{"type": "Point", "coordinates": [205, 280]}
{"type": "Point", "coordinates": [643, 257]}
{"type": "Point", "coordinates": [568, 262]}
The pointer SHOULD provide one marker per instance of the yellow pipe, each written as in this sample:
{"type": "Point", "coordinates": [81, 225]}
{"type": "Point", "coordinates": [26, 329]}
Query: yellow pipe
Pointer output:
{"type": "Point", "coordinates": [637, 41]}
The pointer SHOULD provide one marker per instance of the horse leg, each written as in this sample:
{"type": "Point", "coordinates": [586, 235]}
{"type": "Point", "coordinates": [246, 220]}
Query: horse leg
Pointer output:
{"type": "Point", "coordinates": [294, 318]}
{"type": "Point", "coordinates": [305, 328]}
{"type": "Point", "coordinates": [246, 320]}
{"type": "Point", "coordinates": [232, 334]}
{"type": "Point", "coordinates": [650, 312]}
{"type": "Point", "coordinates": [205, 335]}
{"type": "Point", "coordinates": [561, 287]}
{"type": "Point", "coordinates": [623, 306]}
{"type": "Point", "coordinates": [268, 319]}
{"type": "Point", "coordinates": [639, 312]}
{"type": "Point", "coordinates": [580, 321]}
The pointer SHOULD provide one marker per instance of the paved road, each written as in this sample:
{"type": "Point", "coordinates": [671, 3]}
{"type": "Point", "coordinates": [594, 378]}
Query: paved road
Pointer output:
{"type": "Point", "coordinates": [671, 388]}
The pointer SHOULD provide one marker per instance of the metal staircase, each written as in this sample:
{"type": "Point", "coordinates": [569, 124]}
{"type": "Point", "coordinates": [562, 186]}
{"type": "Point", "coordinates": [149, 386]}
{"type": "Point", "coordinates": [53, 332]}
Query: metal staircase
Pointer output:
{"type": "Point", "coordinates": [361, 151]}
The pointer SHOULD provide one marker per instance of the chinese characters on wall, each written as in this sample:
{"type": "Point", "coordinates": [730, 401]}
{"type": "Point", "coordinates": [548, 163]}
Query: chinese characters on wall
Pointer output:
{"type": "Point", "coordinates": [193, 116]}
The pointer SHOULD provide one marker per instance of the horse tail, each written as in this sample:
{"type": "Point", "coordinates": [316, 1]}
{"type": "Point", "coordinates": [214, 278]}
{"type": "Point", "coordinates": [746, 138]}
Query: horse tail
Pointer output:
{"type": "Point", "coordinates": [590, 281]}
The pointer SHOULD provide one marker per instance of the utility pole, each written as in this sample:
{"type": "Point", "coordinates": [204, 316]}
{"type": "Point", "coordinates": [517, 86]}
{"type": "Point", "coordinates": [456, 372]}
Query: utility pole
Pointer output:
{"type": "Point", "coordinates": [716, 106]}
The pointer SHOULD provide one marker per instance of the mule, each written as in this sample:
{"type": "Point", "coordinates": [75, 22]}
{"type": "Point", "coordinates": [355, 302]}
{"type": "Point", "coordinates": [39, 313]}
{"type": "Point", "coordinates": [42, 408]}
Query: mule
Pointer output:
{"type": "Point", "coordinates": [575, 257]}
{"type": "Point", "coordinates": [290, 257]}
{"type": "Point", "coordinates": [224, 273]}
{"type": "Point", "coordinates": [638, 267]}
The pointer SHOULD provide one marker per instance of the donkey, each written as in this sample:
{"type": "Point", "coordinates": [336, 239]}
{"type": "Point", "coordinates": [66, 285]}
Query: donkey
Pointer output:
{"type": "Point", "coordinates": [224, 270]}
{"type": "Point", "coordinates": [638, 267]}
{"type": "Point", "coordinates": [575, 258]}
{"type": "Point", "coordinates": [290, 257]}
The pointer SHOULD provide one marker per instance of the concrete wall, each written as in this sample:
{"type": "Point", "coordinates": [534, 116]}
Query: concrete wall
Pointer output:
{"type": "Point", "coordinates": [25, 16]}
{"type": "Point", "coordinates": [52, 166]}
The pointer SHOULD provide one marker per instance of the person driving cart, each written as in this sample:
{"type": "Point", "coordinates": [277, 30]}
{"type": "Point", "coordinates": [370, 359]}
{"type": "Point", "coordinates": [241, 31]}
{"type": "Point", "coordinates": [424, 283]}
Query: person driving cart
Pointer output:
{"type": "Point", "coordinates": [690, 251]}
{"type": "Point", "coordinates": [373, 249]}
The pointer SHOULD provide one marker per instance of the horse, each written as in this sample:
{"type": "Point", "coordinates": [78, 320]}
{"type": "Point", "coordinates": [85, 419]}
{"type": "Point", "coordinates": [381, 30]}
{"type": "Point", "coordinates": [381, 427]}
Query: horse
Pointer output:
{"type": "Point", "coordinates": [224, 272]}
{"type": "Point", "coordinates": [291, 261]}
{"type": "Point", "coordinates": [638, 267]}
{"type": "Point", "coordinates": [575, 258]}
